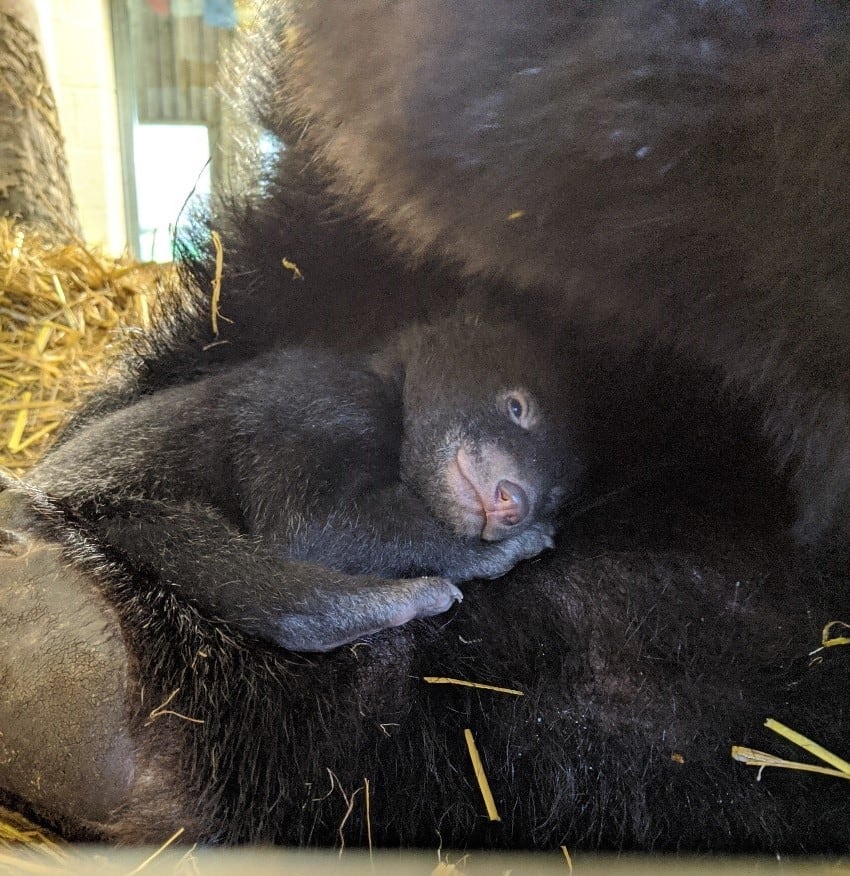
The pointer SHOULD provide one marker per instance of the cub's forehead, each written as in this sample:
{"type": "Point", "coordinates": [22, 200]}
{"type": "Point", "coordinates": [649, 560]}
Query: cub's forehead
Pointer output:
{"type": "Point", "coordinates": [487, 357]}
{"type": "Point", "coordinates": [479, 343]}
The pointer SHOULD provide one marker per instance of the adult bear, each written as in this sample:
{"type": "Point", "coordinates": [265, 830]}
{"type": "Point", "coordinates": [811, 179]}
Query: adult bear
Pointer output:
{"type": "Point", "coordinates": [665, 173]}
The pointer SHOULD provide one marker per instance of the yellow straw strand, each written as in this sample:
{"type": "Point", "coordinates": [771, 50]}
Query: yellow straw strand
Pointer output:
{"type": "Point", "coordinates": [216, 283]}
{"type": "Point", "coordinates": [483, 784]}
{"type": "Point", "coordinates": [830, 641]}
{"type": "Point", "coordinates": [808, 745]}
{"type": "Point", "coordinates": [20, 423]}
{"type": "Point", "coordinates": [761, 759]}
{"type": "Point", "coordinates": [172, 839]}
{"type": "Point", "coordinates": [439, 679]}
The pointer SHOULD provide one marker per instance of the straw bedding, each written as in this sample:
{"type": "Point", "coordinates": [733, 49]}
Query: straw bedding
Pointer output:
{"type": "Point", "coordinates": [65, 311]}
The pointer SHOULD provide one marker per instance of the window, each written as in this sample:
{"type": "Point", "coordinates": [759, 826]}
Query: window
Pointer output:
{"type": "Point", "coordinates": [167, 57]}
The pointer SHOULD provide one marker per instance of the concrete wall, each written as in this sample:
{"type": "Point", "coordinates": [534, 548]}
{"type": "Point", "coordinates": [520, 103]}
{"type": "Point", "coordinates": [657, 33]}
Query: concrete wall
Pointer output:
{"type": "Point", "coordinates": [77, 42]}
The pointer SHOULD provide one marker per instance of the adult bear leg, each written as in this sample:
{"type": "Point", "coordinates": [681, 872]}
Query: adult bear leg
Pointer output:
{"type": "Point", "coordinates": [65, 745]}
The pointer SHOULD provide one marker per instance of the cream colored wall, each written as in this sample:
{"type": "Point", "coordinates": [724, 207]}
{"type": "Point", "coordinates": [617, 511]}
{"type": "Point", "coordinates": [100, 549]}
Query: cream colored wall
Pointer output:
{"type": "Point", "coordinates": [77, 41]}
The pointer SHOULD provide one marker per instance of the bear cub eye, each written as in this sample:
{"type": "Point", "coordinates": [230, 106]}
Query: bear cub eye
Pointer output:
{"type": "Point", "coordinates": [519, 408]}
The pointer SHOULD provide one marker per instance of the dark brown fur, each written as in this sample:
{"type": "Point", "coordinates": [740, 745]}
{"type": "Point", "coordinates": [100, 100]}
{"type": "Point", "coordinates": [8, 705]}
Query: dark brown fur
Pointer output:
{"type": "Point", "coordinates": [659, 181]}
{"type": "Point", "coordinates": [677, 168]}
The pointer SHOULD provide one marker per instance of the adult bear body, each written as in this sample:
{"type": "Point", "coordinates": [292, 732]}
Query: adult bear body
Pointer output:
{"type": "Point", "coordinates": [671, 171]}
{"type": "Point", "coordinates": [661, 172]}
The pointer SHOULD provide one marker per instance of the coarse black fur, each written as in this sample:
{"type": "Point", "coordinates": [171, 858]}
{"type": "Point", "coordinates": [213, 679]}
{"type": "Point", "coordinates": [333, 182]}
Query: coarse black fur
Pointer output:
{"type": "Point", "coordinates": [643, 655]}
{"type": "Point", "coordinates": [664, 181]}
{"type": "Point", "coordinates": [654, 170]}
{"type": "Point", "coordinates": [249, 491]}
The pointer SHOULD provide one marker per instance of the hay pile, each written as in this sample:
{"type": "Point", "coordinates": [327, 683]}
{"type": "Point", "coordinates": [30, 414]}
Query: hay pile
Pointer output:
{"type": "Point", "coordinates": [65, 310]}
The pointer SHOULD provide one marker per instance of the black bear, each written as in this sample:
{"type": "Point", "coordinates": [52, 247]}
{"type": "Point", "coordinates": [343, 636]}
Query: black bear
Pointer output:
{"type": "Point", "coordinates": [667, 180]}
{"type": "Point", "coordinates": [249, 492]}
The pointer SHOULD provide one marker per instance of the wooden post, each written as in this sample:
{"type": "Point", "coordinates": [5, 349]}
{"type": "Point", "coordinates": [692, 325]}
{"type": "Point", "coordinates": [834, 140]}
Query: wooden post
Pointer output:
{"type": "Point", "coordinates": [34, 184]}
